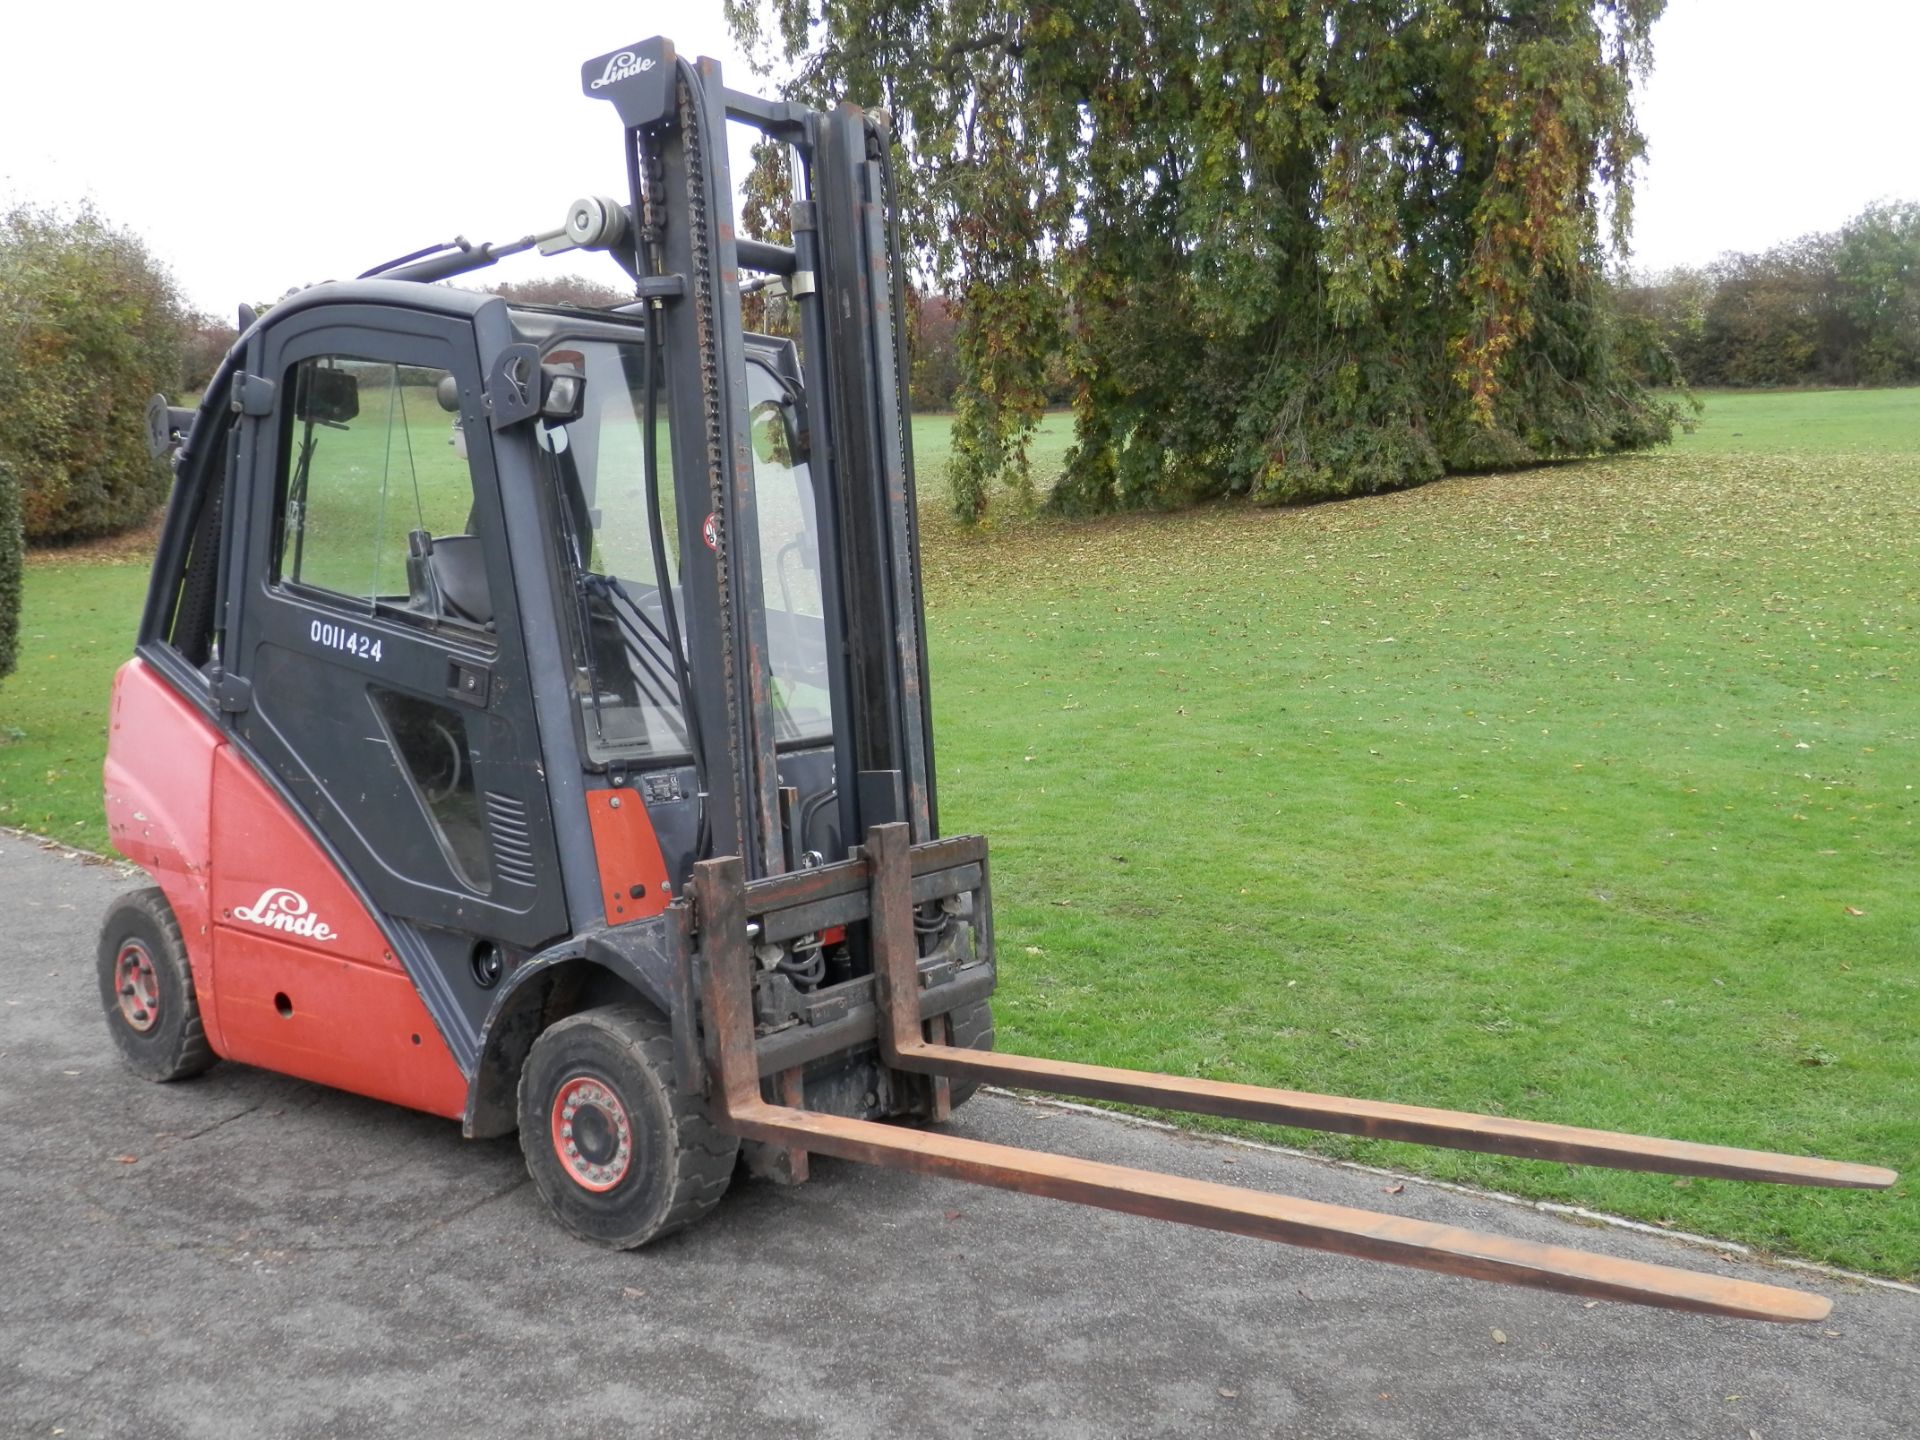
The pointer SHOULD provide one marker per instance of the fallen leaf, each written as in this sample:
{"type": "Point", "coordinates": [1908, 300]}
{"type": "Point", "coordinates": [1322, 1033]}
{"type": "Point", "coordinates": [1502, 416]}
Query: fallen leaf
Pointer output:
{"type": "Point", "coordinates": [1391, 1189]}
{"type": "Point", "coordinates": [1229, 1394]}
{"type": "Point", "coordinates": [1852, 911]}
{"type": "Point", "coordinates": [1499, 1337]}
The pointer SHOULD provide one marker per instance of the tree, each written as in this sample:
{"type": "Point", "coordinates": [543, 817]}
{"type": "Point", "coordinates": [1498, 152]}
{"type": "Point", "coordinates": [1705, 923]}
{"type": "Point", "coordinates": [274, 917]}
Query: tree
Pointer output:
{"type": "Point", "coordinates": [90, 327]}
{"type": "Point", "coordinates": [936, 361]}
{"type": "Point", "coordinates": [1876, 281]}
{"type": "Point", "coordinates": [1766, 321]}
{"type": "Point", "coordinates": [207, 342]}
{"type": "Point", "coordinates": [575, 290]}
{"type": "Point", "coordinates": [1841, 308]}
{"type": "Point", "coordinates": [1286, 251]}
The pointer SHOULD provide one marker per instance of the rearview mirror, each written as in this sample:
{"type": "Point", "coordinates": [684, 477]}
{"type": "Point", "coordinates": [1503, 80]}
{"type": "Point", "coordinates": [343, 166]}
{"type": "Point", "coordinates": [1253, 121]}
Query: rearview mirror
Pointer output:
{"type": "Point", "coordinates": [794, 417]}
{"type": "Point", "coordinates": [326, 397]}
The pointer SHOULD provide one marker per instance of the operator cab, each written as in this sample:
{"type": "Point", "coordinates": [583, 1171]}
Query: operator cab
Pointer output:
{"type": "Point", "coordinates": [625, 631]}
{"type": "Point", "coordinates": [406, 663]}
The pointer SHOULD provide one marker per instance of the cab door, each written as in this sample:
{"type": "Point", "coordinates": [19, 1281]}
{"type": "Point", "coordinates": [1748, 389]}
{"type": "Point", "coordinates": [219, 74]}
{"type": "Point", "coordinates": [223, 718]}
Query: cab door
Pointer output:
{"type": "Point", "coordinates": [376, 637]}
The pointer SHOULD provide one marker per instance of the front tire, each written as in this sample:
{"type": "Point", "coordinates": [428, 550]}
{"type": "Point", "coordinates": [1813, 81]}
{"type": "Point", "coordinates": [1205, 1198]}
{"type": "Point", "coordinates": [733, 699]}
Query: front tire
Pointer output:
{"type": "Point", "coordinates": [146, 988]}
{"type": "Point", "coordinates": [621, 1156]}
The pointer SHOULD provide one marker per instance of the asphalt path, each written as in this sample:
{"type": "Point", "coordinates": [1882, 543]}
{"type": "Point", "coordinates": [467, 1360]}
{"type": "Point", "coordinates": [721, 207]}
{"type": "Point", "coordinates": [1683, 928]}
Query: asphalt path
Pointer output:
{"type": "Point", "coordinates": [250, 1256]}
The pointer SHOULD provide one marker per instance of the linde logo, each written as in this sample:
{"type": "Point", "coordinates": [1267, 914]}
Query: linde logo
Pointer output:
{"type": "Point", "coordinates": [624, 66]}
{"type": "Point", "coordinates": [283, 909]}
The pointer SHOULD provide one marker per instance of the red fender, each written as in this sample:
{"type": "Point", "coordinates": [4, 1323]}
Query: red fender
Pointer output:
{"type": "Point", "coordinates": [159, 783]}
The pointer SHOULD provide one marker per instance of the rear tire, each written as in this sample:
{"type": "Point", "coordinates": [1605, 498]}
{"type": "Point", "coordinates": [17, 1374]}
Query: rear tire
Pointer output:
{"type": "Point", "coordinates": [621, 1156]}
{"type": "Point", "coordinates": [972, 1028]}
{"type": "Point", "coordinates": [146, 988]}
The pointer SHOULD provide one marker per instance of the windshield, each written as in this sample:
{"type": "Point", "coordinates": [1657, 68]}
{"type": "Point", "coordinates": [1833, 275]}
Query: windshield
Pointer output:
{"type": "Point", "coordinates": [624, 676]}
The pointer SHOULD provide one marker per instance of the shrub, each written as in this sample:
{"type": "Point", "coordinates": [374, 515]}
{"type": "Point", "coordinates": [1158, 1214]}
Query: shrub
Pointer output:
{"type": "Point", "coordinates": [90, 327]}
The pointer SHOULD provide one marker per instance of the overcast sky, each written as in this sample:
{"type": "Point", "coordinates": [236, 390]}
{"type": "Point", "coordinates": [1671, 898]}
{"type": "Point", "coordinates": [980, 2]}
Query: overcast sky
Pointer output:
{"type": "Point", "coordinates": [257, 146]}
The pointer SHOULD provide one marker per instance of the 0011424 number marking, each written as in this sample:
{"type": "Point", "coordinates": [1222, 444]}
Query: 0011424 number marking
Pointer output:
{"type": "Point", "coordinates": [339, 637]}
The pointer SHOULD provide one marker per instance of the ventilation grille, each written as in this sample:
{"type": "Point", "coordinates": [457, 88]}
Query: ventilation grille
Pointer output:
{"type": "Point", "coordinates": [512, 846]}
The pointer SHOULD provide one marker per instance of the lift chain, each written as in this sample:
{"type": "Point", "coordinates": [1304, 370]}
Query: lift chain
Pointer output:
{"type": "Point", "coordinates": [705, 322]}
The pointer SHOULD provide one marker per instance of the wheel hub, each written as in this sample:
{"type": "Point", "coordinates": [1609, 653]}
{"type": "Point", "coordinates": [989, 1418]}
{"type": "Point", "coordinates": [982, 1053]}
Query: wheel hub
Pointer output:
{"type": "Point", "coordinates": [591, 1133]}
{"type": "Point", "coordinates": [137, 986]}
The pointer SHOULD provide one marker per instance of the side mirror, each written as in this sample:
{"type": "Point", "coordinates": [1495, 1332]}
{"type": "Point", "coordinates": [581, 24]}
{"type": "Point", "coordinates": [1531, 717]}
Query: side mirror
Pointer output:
{"type": "Point", "coordinates": [326, 397]}
{"type": "Point", "coordinates": [781, 443]}
{"type": "Point", "coordinates": [793, 415]}
{"type": "Point", "coordinates": [563, 395]}
{"type": "Point", "coordinates": [167, 426]}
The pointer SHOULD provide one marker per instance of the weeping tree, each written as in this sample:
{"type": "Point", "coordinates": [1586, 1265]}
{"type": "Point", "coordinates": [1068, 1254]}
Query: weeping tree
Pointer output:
{"type": "Point", "coordinates": [1286, 250]}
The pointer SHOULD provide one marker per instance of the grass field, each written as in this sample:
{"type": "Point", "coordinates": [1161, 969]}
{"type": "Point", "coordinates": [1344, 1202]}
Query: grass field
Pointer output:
{"type": "Point", "coordinates": [1582, 793]}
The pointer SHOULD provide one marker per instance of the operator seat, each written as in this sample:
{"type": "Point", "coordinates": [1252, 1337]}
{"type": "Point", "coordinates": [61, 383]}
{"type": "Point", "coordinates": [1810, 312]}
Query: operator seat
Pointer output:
{"type": "Point", "coordinates": [460, 570]}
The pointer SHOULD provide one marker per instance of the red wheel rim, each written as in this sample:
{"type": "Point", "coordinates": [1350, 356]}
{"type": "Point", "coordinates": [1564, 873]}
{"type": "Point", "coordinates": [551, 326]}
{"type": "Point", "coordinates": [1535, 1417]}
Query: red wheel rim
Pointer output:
{"type": "Point", "coordinates": [137, 986]}
{"type": "Point", "coordinates": [591, 1133]}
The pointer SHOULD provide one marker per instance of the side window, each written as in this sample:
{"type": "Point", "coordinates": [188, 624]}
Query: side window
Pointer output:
{"type": "Point", "coordinates": [625, 679]}
{"type": "Point", "coordinates": [431, 740]}
{"type": "Point", "coordinates": [790, 570]}
{"type": "Point", "coordinates": [376, 496]}
{"type": "Point", "coordinates": [191, 629]}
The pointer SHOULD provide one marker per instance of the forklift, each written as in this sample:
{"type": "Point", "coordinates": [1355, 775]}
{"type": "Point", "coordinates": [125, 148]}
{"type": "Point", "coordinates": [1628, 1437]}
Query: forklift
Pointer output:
{"type": "Point", "coordinates": [529, 725]}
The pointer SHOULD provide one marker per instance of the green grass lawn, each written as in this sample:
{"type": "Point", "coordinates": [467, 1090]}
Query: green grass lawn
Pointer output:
{"type": "Point", "coordinates": [933, 448]}
{"type": "Point", "coordinates": [76, 627]}
{"type": "Point", "coordinates": [1759, 422]}
{"type": "Point", "coordinates": [1582, 793]}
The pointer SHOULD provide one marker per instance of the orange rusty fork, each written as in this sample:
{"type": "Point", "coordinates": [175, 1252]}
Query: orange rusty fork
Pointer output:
{"type": "Point", "coordinates": [902, 1043]}
{"type": "Point", "coordinates": [738, 1106]}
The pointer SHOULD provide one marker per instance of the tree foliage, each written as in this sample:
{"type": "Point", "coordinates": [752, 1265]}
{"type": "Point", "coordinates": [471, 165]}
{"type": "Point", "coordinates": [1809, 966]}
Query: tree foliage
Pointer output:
{"type": "Point", "coordinates": [208, 339]}
{"type": "Point", "coordinates": [90, 328]}
{"type": "Point", "coordinates": [1841, 308]}
{"type": "Point", "coordinates": [1287, 250]}
{"type": "Point", "coordinates": [936, 362]}
{"type": "Point", "coordinates": [575, 290]}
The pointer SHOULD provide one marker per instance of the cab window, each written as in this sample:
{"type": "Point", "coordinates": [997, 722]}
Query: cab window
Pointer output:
{"type": "Point", "coordinates": [375, 492]}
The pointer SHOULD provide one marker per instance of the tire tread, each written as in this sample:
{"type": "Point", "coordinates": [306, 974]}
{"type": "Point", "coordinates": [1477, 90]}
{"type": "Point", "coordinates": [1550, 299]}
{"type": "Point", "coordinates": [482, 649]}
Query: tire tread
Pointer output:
{"type": "Point", "coordinates": [193, 1052]}
{"type": "Point", "coordinates": [703, 1156]}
